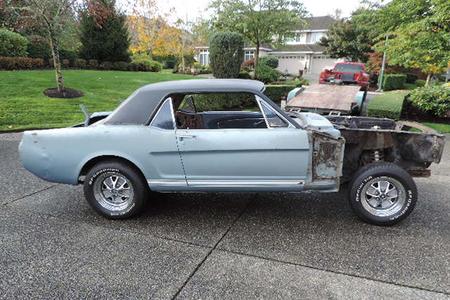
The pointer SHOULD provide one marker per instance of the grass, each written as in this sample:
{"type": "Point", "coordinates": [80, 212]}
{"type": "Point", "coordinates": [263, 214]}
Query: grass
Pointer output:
{"type": "Point", "coordinates": [387, 105]}
{"type": "Point", "coordinates": [439, 127]}
{"type": "Point", "coordinates": [23, 104]}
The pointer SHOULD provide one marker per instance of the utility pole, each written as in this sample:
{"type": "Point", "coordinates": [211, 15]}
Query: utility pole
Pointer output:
{"type": "Point", "coordinates": [383, 63]}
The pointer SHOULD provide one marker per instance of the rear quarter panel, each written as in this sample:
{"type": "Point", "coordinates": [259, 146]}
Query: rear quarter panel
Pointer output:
{"type": "Point", "coordinates": [58, 155]}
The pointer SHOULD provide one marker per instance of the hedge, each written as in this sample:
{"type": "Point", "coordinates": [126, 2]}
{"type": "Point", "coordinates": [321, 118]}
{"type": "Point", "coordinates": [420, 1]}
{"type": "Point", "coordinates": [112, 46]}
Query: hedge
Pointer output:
{"type": "Point", "coordinates": [394, 82]}
{"type": "Point", "coordinates": [226, 54]}
{"type": "Point", "coordinates": [432, 99]}
{"type": "Point", "coordinates": [21, 63]}
{"type": "Point", "coordinates": [28, 63]}
{"type": "Point", "coordinates": [387, 105]}
{"type": "Point", "coordinates": [277, 92]}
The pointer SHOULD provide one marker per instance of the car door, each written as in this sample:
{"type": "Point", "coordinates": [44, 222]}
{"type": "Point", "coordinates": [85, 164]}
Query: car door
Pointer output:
{"type": "Point", "coordinates": [247, 159]}
{"type": "Point", "coordinates": [164, 157]}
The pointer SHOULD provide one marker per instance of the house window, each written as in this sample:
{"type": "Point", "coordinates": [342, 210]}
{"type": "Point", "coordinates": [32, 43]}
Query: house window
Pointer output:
{"type": "Point", "coordinates": [249, 55]}
{"type": "Point", "coordinates": [203, 57]}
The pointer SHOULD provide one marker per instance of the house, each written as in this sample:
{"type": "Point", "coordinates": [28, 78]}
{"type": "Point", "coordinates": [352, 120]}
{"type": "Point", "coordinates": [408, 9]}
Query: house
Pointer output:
{"type": "Point", "coordinates": [300, 54]}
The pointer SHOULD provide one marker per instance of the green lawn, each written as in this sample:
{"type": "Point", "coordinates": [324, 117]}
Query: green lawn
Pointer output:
{"type": "Point", "coordinates": [23, 104]}
{"type": "Point", "coordinates": [440, 127]}
{"type": "Point", "coordinates": [388, 104]}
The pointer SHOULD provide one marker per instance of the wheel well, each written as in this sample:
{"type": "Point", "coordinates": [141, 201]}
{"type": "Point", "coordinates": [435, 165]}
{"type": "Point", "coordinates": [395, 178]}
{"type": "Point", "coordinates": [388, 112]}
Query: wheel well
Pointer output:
{"type": "Point", "coordinates": [88, 165]}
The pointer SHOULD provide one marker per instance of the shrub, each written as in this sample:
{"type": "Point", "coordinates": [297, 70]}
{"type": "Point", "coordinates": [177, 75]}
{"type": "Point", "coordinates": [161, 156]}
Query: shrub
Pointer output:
{"type": "Point", "coordinates": [420, 82]}
{"type": "Point", "coordinates": [248, 65]}
{"type": "Point", "coordinates": [432, 99]}
{"type": "Point", "coordinates": [67, 54]}
{"type": "Point", "coordinates": [394, 82]}
{"type": "Point", "coordinates": [21, 63]}
{"type": "Point", "coordinates": [270, 61]}
{"type": "Point", "coordinates": [226, 54]}
{"type": "Point", "coordinates": [80, 63]}
{"type": "Point", "coordinates": [38, 47]}
{"type": "Point", "coordinates": [411, 78]}
{"type": "Point", "coordinates": [120, 66]}
{"type": "Point", "coordinates": [143, 63]}
{"type": "Point", "coordinates": [168, 61]}
{"type": "Point", "coordinates": [65, 63]}
{"type": "Point", "coordinates": [244, 75]}
{"type": "Point", "coordinates": [266, 74]}
{"type": "Point", "coordinates": [93, 63]}
{"type": "Point", "coordinates": [277, 92]}
{"type": "Point", "coordinates": [301, 82]}
{"type": "Point", "coordinates": [12, 44]}
{"type": "Point", "coordinates": [106, 65]}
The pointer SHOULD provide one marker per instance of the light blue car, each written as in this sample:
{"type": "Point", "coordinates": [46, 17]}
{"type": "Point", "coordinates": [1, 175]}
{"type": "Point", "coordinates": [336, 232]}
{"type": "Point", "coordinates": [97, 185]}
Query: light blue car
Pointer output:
{"type": "Point", "coordinates": [225, 135]}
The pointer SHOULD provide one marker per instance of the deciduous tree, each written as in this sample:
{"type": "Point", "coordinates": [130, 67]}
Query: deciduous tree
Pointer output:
{"type": "Point", "coordinates": [259, 21]}
{"type": "Point", "coordinates": [53, 15]}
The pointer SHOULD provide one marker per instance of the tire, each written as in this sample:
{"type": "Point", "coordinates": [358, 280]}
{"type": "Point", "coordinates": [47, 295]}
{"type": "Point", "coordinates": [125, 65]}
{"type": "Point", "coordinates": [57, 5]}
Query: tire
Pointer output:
{"type": "Point", "coordinates": [370, 201]}
{"type": "Point", "coordinates": [115, 190]}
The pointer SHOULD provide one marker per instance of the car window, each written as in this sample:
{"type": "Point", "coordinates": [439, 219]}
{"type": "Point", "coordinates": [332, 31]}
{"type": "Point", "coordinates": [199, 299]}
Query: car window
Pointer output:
{"type": "Point", "coordinates": [273, 119]}
{"type": "Point", "coordinates": [164, 117]}
{"type": "Point", "coordinates": [217, 111]}
{"type": "Point", "coordinates": [348, 68]}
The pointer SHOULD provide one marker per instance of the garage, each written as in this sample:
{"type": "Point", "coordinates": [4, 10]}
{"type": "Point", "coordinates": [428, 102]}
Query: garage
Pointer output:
{"type": "Point", "coordinates": [291, 64]}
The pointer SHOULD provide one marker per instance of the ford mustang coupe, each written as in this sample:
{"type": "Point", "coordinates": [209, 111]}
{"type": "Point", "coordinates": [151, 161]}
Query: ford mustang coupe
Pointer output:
{"type": "Point", "coordinates": [227, 135]}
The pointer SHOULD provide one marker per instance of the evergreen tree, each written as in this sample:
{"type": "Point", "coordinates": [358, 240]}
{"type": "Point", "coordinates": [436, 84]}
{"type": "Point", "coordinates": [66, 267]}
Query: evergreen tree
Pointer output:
{"type": "Point", "coordinates": [103, 32]}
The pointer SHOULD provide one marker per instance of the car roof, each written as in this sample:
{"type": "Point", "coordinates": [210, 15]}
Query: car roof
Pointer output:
{"type": "Point", "coordinates": [141, 105]}
{"type": "Point", "coordinates": [206, 85]}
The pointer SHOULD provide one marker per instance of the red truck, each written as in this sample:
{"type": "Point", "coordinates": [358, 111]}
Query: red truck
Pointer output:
{"type": "Point", "coordinates": [346, 73]}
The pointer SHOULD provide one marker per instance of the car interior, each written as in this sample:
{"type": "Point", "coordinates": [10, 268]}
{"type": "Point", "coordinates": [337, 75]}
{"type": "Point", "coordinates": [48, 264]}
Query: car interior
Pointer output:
{"type": "Point", "coordinates": [216, 111]}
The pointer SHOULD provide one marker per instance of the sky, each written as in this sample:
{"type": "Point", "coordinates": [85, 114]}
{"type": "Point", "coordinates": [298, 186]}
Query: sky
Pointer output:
{"type": "Point", "coordinates": [193, 9]}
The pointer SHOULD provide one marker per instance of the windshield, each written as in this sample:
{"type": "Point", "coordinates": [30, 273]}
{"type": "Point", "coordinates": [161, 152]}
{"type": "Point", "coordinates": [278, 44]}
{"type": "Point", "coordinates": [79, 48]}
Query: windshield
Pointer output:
{"type": "Point", "coordinates": [348, 68]}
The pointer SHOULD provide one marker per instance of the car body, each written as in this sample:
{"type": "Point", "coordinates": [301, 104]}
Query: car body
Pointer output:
{"type": "Point", "coordinates": [346, 73]}
{"type": "Point", "coordinates": [159, 140]}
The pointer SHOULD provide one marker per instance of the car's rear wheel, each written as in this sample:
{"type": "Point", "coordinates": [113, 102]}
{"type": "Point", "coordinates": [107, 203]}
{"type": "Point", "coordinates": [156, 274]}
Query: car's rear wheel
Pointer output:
{"type": "Point", "coordinates": [383, 194]}
{"type": "Point", "coordinates": [115, 190]}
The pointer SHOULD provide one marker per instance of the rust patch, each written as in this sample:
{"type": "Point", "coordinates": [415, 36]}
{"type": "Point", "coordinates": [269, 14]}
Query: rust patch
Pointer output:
{"type": "Point", "coordinates": [327, 157]}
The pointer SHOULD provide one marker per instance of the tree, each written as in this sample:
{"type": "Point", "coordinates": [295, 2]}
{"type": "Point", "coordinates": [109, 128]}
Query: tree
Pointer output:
{"type": "Point", "coordinates": [344, 39]}
{"type": "Point", "coordinates": [144, 23]}
{"type": "Point", "coordinates": [103, 32]}
{"type": "Point", "coordinates": [419, 34]}
{"type": "Point", "coordinates": [259, 21]}
{"type": "Point", "coordinates": [226, 54]}
{"type": "Point", "coordinates": [53, 15]}
{"type": "Point", "coordinates": [353, 38]}
{"type": "Point", "coordinates": [12, 43]}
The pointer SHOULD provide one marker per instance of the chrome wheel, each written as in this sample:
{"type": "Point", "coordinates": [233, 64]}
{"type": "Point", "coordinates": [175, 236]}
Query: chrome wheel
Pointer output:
{"type": "Point", "coordinates": [383, 196]}
{"type": "Point", "coordinates": [113, 191]}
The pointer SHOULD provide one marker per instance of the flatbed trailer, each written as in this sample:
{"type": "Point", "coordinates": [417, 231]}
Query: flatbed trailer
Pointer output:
{"type": "Point", "coordinates": [328, 99]}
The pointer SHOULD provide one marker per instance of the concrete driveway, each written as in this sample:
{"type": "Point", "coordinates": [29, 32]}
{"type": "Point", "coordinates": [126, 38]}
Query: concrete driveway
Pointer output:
{"type": "Point", "coordinates": [207, 246]}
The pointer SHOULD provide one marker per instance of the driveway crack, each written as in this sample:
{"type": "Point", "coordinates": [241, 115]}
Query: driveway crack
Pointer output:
{"type": "Point", "coordinates": [30, 194]}
{"type": "Point", "coordinates": [214, 247]}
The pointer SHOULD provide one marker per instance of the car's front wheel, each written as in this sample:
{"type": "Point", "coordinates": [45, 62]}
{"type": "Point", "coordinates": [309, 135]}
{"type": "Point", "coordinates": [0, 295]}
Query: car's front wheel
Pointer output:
{"type": "Point", "coordinates": [115, 190]}
{"type": "Point", "coordinates": [383, 194]}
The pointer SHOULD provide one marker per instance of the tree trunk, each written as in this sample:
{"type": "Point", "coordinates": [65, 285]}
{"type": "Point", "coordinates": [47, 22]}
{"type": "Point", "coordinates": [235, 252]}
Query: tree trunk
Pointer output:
{"type": "Point", "coordinates": [428, 79]}
{"type": "Point", "coordinates": [257, 55]}
{"type": "Point", "coordinates": [56, 63]}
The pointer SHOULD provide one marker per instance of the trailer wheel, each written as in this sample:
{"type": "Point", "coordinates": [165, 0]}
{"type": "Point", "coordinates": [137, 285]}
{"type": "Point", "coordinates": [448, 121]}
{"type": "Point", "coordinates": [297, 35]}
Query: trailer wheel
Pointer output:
{"type": "Point", "coordinates": [382, 194]}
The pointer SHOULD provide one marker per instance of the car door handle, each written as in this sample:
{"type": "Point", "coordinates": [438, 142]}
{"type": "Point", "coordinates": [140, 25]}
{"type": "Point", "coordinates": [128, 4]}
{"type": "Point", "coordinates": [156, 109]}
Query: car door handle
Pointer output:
{"type": "Point", "coordinates": [186, 136]}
